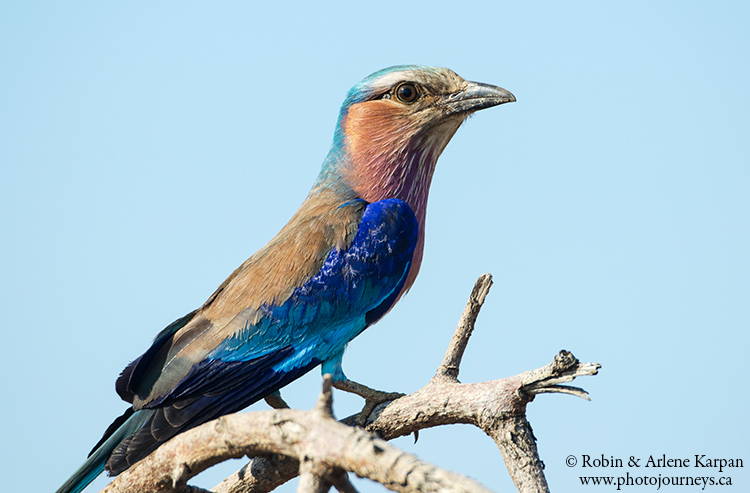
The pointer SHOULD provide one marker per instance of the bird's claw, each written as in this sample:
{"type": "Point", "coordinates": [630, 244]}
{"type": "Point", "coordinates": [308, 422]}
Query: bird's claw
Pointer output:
{"type": "Point", "coordinates": [275, 401]}
{"type": "Point", "coordinates": [372, 402]}
{"type": "Point", "coordinates": [372, 397]}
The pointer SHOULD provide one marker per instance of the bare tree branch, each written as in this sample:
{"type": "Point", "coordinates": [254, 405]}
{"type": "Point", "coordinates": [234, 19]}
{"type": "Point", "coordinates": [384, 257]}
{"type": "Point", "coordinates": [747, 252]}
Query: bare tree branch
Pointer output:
{"type": "Point", "coordinates": [452, 360]}
{"type": "Point", "coordinates": [315, 438]}
{"type": "Point", "coordinates": [260, 475]}
{"type": "Point", "coordinates": [286, 443]}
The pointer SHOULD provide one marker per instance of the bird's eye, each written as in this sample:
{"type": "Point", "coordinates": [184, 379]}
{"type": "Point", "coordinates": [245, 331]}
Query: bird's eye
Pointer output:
{"type": "Point", "coordinates": [407, 92]}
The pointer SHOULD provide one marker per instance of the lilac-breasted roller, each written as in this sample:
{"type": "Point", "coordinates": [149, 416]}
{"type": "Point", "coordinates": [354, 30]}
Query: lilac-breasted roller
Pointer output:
{"type": "Point", "coordinates": [347, 255]}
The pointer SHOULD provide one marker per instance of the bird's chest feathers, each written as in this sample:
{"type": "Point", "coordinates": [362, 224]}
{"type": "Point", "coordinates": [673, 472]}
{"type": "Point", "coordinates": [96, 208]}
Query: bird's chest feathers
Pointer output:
{"type": "Point", "coordinates": [392, 153]}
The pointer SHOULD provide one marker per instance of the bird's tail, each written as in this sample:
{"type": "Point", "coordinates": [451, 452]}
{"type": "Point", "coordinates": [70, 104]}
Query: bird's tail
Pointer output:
{"type": "Point", "coordinates": [94, 465]}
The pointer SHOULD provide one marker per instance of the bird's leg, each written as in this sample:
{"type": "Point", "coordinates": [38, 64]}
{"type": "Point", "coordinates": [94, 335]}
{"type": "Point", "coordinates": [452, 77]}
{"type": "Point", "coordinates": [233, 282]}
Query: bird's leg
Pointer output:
{"type": "Point", "coordinates": [371, 396]}
{"type": "Point", "coordinates": [275, 401]}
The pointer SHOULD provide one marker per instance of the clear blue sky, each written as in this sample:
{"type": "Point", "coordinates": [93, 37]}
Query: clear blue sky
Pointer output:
{"type": "Point", "coordinates": [147, 150]}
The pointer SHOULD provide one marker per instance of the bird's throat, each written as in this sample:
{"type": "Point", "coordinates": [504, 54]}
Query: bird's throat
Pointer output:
{"type": "Point", "coordinates": [391, 157]}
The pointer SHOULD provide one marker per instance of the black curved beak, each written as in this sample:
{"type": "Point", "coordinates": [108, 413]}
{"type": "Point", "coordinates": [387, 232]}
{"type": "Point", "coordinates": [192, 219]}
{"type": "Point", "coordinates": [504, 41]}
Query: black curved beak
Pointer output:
{"type": "Point", "coordinates": [475, 96]}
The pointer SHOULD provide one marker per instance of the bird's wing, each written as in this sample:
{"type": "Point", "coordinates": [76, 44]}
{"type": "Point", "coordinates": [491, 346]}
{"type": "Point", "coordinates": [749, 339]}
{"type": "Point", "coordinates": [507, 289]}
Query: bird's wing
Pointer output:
{"type": "Point", "coordinates": [211, 363]}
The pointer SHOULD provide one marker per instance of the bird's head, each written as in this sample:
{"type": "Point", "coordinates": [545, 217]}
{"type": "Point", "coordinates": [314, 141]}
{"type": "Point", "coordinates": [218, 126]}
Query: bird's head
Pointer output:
{"type": "Point", "coordinates": [395, 123]}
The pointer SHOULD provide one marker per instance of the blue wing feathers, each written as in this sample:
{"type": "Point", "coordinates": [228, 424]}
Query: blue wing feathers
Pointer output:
{"type": "Point", "coordinates": [216, 376]}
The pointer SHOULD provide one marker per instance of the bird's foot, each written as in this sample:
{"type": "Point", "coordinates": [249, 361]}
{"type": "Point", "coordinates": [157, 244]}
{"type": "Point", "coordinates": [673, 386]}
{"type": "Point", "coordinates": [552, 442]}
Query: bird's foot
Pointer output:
{"type": "Point", "coordinates": [275, 401]}
{"type": "Point", "coordinates": [372, 397]}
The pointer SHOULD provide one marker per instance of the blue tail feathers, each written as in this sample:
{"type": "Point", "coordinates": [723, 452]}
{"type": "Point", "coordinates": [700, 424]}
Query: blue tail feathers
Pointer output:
{"type": "Point", "coordinates": [94, 465]}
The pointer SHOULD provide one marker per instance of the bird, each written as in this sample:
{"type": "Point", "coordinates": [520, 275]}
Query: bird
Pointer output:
{"type": "Point", "coordinates": [348, 254]}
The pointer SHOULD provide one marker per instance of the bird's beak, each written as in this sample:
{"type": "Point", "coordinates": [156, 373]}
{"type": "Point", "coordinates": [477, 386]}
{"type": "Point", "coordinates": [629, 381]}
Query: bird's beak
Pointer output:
{"type": "Point", "coordinates": [475, 96]}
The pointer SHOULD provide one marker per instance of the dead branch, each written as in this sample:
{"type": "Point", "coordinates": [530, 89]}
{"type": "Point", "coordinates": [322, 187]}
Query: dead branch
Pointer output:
{"type": "Point", "coordinates": [323, 446]}
{"type": "Point", "coordinates": [286, 443]}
